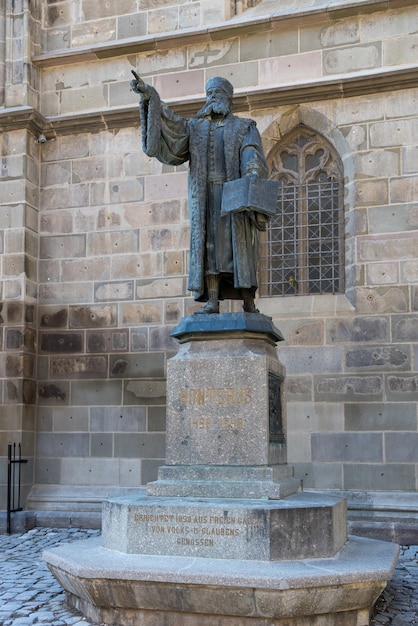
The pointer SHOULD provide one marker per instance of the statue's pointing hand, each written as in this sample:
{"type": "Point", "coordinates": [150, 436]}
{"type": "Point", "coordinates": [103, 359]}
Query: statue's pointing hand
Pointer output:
{"type": "Point", "coordinates": [138, 86]}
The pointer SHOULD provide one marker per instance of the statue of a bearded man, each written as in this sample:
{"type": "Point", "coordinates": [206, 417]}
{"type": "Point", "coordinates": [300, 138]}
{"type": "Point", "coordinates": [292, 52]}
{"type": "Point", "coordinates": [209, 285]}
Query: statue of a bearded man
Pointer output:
{"type": "Point", "coordinates": [220, 147]}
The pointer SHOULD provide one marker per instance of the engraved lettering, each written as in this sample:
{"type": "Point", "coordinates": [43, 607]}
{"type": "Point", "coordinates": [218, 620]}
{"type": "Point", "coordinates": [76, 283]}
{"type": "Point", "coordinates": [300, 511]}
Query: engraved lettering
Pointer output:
{"type": "Point", "coordinates": [230, 396]}
{"type": "Point", "coordinates": [230, 423]}
{"type": "Point", "coordinates": [201, 423]}
{"type": "Point", "coordinates": [198, 529]}
{"type": "Point", "coordinates": [219, 395]}
{"type": "Point", "coordinates": [157, 529]}
{"type": "Point", "coordinates": [185, 541]}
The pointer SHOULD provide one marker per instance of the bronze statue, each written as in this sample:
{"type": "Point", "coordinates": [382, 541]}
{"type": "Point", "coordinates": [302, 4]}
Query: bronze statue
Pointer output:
{"type": "Point", "coordinates": [220, 147]}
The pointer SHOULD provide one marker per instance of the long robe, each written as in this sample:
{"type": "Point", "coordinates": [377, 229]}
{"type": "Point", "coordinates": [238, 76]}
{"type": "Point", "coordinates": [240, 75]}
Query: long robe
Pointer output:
{"type": "Point", "coordinates": [173, 140]}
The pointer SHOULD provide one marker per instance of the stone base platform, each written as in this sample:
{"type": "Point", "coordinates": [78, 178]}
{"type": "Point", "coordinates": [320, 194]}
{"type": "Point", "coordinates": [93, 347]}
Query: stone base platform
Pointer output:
{"type": "Point", "coordinates": [273, 482]}
{"type": "Point", "coordinates": [129, 589]}
{"type": "Point", "coordinates": [298, 527]}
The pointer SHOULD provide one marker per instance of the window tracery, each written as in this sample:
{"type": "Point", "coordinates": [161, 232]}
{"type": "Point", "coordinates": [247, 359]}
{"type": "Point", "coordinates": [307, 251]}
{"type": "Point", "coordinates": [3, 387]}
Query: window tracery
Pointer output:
{"type": "Point", "coordinates": [303, 250]}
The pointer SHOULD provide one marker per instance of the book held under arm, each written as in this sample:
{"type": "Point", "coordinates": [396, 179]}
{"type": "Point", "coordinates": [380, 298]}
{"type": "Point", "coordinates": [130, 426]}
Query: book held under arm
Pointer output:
{"type": "Point", "coordinates": [250, 194]}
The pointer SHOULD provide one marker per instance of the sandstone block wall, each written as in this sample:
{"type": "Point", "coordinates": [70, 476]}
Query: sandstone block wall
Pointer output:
{"type": "Point", "coordinates": [95, 235]}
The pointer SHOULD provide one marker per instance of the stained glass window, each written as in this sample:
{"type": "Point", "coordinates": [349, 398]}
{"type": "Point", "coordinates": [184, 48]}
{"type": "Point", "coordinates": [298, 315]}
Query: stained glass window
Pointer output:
{"type": "Point", "coordinates": [303, 248]}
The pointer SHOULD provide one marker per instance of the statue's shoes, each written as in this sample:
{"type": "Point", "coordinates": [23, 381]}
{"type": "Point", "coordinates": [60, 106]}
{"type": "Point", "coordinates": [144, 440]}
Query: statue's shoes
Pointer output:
{"type": "Point", "coordinates": [209, 308]}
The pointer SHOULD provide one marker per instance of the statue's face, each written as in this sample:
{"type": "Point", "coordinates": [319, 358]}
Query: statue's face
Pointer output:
{"type": "Point", "coordinates": [218, 101]}
{"type": "Point", "coordinates": [217, 94]}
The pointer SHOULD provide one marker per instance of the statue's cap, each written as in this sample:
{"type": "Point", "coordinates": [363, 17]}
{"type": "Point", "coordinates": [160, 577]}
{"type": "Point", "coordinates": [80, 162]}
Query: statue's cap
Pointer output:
{"type": "Point", "coordinates": [222, 83]}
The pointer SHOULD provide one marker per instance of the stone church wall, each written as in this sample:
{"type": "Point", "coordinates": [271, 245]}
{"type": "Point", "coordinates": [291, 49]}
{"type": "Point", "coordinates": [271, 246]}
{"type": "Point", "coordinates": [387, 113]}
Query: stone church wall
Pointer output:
{"type": "Point", "coordinates": [95, 235]}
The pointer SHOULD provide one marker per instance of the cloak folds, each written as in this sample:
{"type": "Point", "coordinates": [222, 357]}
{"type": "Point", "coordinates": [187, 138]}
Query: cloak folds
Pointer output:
{"type": "Point", "coordinates": [174, 140]}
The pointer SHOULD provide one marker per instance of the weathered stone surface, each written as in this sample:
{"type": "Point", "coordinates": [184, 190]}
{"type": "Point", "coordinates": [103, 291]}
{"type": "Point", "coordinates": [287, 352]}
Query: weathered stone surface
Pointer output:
{"type": "Point", "coordinates": [347, 447]}
{"type": "Point", "coordinates": [156, 419]}
{"type": "Point", "coordinates": [273, 70]}
{"type": "Point", "coordinates": [299, 388]}
{"type": "Point", "coordinates": [382, 300]}
{"type": "Point", "coordinates": [334, 388]}
{"type": "Point", "coordinates": [402, 387]}
{"type": "Point", "coordinates": [101, 445]}
{"type": "Point", "coordinates": [382, 273]}
{"type": "Point", "coordinates": [160, 288]}
{"type": "Point", "coordinates": [62, 444]}
{"type": "Point", "coordinates": [380, 416]}
{"type": "Point", "coordinates": [139, 339]}
{"type": "Point", "coordinates": [61, 342]}
{"type": "Point", "coordinates": [14, 338]}
{"type": "Point", "coordinates": [219, 528]}
{"type": "Point", "coordinates": [86, 269]}
{"type": "Point", "coordinates": [145, 392]}
{"type": "Point", "coordinates": [172, 312]}
{"type": "Point", "coordinates": [54, 318]}
{"type": "Point", "coordinates": [79, 367]}
{"type": "Point", "coordinates": [380, 476]}
{"type": "Point", "coordinates": [405, 328]}
{"type": "Point", "coordinates": [401, 447]}
{"type": "Point", "coordinates": [298, 360]}
{"type": "Point", "coordinates": [144, 445]}
{"type": "Point", "coordinates": [372, 192]}
{"type": "Point", "coordinates": [150, 365]}
{"type": "Point", "coordinates": [114, 242]}
{"type": "Point", "coordinates": [92, 316]}
{"type": "Point", "coordinates": [258, 46]}
{"type": "Point", "coordinates": [89, 33]}
{"type": "Point", "coordinates": [118, 419]}
{"type": "Point", "coordinates": [377, 358]}
{"type": "Point", "coordinates": [358, 329]}
{"type": "Point", "coordinates": [409, 271]}
{"type": "Point", "coordinates": [330, 475]}
{"type": "Point", "coordinates": [384, 247]}
{"type": "Point", "coordinates": [306, 417]}
{"type": "Point", "coordinates": [307, 334]}
{"type": "Point", "coordinates": [141, 313]}
{"type": "Point", "coordinates": [132, 25]}
{"type": "Point", "coordinates": [160, 338]}
{"type": "Point", "coordinates": [53, 247]}
{"type": "Point", "coordinates": [98, 392]}
{"type": "Point", "coordinates": [53, 393]}
{"type": "Point", "coordinates": [104, 292]}
{"type": "Point", "coordinates": [107, 340]}
{"type": "Point", "coordinates": [67, 419]}
{"type": "Point", "coordinates": [20, 365]}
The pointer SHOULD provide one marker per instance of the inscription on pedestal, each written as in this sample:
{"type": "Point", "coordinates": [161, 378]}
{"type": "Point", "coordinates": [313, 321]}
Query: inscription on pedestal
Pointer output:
{"type": "Point", "coordinates": [196, 529]}
{"type": "Point", "coordinates": [220, 397]}
{"type": "Point", "coordinates": [180, 532]}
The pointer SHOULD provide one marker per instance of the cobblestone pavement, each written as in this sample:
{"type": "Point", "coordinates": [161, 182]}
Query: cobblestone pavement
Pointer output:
{"type": "Point", "coordinates": [29, 594]}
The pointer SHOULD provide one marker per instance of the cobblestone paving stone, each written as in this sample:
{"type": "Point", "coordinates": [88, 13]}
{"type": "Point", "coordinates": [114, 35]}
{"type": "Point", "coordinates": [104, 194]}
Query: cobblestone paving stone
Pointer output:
{"type": "Point", "coordinates": [398, 604]}
{"type": "Point", "coordinates": [30, 595]}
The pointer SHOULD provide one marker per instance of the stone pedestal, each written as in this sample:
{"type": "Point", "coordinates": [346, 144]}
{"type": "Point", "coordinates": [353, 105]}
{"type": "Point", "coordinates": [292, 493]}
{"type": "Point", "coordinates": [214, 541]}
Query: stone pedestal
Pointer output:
{"type": "Point", "coordinates": [224, 536]}
{"type": "Point", "coordinates": [225, 422]}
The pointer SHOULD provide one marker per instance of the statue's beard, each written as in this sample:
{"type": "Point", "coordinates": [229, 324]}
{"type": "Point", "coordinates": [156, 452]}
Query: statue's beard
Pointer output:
{"type": "Point", "coordinates": [214, 109]}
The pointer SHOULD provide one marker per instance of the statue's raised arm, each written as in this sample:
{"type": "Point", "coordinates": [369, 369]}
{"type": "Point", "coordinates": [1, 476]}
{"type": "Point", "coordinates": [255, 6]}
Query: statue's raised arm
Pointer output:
{"type": "Point", "coordinates": [139, 86]}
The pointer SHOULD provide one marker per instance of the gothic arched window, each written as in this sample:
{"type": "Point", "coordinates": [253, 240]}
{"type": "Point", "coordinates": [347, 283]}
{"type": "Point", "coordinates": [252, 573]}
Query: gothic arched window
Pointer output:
{"type": "Point", "coordinates": [303, 248]}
